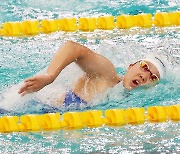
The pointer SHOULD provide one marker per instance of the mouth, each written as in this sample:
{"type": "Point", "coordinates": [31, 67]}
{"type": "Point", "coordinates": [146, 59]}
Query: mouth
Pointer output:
{"type": "Point", "coordinates": [135, 83]}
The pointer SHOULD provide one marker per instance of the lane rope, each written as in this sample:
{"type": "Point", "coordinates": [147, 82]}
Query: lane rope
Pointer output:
{"type": "Point", "coordinates": [91, 118]}
{"type": "Point", "coordinates": [46, 26]}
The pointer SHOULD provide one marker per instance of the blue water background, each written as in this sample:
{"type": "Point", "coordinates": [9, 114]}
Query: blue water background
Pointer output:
{"type": "Point", "coordinates": [23, 57]}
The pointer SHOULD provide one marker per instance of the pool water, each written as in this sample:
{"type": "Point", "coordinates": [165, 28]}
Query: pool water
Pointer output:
{"type": "Point", "coordinates": [23, 57]}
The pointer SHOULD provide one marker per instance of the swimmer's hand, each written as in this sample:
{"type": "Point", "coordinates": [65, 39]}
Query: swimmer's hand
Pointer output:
{"type": "Point", "coordinates": [35, 84]}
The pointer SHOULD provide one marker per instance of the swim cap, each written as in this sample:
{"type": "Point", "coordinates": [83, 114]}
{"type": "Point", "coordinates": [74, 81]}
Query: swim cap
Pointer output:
{"type": "Point", "coordinates": [158, 63]}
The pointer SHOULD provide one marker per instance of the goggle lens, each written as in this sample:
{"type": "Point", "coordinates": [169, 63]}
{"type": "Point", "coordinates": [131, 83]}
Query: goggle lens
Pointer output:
{"type": "Point", "coordinates": [145, 67]}
{"type": "Point", "coordinates": [154, 77]}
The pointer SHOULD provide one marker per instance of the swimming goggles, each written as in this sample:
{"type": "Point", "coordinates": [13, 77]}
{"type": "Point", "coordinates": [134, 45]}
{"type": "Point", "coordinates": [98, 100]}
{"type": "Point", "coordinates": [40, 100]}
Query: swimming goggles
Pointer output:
{"type": "Point", "coordinates": [145, 67]}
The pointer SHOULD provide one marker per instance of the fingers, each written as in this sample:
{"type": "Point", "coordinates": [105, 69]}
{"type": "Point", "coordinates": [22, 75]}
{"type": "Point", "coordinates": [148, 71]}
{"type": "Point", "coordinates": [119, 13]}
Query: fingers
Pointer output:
{"type": "Point", "coordinates": [30, 85]}
{"type": "Point", "coordinates": [23, 94]}
{"type": "Point", "coordinates": [26, 87]}
{"type": "Point", "coordinates": [30, 79]}
{"type": "Point", "coordinates": [22, 89]}
{"type": "Point", "coordinates": [28, 82]}
{"type": "Point", "coordinates": [27, 91]}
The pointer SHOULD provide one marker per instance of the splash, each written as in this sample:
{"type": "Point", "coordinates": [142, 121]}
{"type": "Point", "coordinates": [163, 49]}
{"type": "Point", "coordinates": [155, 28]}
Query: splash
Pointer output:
{"type": "Point", "coordinates": [121, 50]}
{"type": "Point", "coordinates": [46, 97]}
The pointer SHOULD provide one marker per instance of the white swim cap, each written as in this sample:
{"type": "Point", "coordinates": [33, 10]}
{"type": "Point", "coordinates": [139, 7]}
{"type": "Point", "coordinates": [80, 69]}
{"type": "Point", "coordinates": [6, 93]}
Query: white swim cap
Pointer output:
{"type": "Point", "coordinates": [158, 63]}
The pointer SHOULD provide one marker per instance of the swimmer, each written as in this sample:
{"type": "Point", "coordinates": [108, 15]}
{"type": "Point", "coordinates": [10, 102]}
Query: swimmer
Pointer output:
{"type": "Point", "coordinates": [100, 74]}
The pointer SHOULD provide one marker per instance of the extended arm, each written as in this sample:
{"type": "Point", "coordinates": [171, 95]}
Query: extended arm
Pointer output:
{"type": "Point", "coordinates": [90, 62]}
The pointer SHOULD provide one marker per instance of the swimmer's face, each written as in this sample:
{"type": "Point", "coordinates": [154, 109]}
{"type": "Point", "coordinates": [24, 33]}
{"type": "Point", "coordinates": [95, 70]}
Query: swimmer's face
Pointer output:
{"type": "Point", "coordinates": [136, 76]}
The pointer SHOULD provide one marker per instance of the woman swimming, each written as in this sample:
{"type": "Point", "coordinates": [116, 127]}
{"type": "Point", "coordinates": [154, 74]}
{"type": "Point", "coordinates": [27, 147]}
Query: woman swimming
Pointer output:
{"type": "Point", "coordinates": [100, 74]}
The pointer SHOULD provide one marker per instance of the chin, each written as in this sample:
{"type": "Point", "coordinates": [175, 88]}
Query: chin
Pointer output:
{"type": "Point", "coordinates": [128, 87]}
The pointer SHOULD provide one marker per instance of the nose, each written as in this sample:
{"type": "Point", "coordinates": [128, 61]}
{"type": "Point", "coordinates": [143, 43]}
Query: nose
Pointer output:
{"type": "Point", "coordinates": [144, 77]}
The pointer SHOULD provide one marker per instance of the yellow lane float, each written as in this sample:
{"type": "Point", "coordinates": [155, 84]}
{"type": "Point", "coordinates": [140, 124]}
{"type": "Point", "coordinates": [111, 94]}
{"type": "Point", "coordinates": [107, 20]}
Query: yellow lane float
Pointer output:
{"type": "Point", "coordinates": [30, 27]}
{"type": "Point", "coordinates": [12, 29]}
{"type": "Point", "coordinates": [87, 24]}
{"type": "Point", "coordinates": [35, 27]}
{"type": "Point", "coordinates": [91, 118]}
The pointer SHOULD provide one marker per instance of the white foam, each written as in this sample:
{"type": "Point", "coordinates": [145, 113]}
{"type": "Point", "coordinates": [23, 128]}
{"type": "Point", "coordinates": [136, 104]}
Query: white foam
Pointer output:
{"type": "Point", "coordinates": [11, 100]}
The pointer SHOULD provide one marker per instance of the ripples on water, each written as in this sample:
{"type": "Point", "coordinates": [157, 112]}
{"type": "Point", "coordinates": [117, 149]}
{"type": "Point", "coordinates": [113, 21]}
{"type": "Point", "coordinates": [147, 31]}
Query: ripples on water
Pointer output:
{"type": "Point", "coordinates": [18, 10]}
{"type": "Point", "coordinates": [147, 138]}
{"type": "Point", "coordinates": [28, 56]}
{"type": "Point", "coordinates": [24, 57]}
{"type": "Point", "coordinates": [31, 55]}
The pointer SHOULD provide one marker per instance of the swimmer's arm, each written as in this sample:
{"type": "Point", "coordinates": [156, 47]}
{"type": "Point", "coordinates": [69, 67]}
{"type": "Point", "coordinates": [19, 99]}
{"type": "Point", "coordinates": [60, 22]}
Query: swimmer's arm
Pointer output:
{"type": "Point", "coordinates": [90, 62]}
{"type": "Point", "coordinates": [68, 53]}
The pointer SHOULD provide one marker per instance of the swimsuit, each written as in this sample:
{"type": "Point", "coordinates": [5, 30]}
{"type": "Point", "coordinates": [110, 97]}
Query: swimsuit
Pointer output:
{"type": "Point", "coordinates": [72, 98]}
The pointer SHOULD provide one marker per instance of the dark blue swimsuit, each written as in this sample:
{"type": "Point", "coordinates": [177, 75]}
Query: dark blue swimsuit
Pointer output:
{"type": "Point", "coordinates": [72, 98]}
